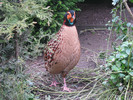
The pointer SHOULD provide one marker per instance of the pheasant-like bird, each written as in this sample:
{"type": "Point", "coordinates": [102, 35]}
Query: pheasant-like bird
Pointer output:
{"type": "Point", "coordinates": [62, 52]}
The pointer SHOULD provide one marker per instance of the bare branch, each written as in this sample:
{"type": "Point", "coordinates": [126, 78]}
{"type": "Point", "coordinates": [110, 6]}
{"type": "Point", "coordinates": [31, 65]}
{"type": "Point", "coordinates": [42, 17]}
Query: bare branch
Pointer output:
{"type": "Point", "coordinates": [127, 7]}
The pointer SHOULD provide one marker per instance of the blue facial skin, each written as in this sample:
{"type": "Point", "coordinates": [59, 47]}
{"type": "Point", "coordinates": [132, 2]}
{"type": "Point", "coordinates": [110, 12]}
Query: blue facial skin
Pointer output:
{"type": "Point", "coordinates": [70, 22]}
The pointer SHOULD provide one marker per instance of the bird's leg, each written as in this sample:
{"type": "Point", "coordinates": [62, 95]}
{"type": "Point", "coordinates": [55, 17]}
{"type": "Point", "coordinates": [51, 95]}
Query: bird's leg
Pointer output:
{"type": "Point", "coordinates": [65, 88]}
{"type": "Point", "coordinates": [54, 83]}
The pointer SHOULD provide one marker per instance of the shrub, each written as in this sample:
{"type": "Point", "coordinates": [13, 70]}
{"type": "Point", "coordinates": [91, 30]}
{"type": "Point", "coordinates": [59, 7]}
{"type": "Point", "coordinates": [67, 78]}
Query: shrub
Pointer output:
{"type": "Point", "coordinates": [18, 18]}
{"type": "Point", "coordinates": [119, 23]}
{"type": "Point", "coordinates": [14, 83]}
{"type": "Point", "coordinates": [16, 24]}
{"type": "Point", "coordinates": [120, 65]}
{"type": "Point", "coordinates": [58, 8]}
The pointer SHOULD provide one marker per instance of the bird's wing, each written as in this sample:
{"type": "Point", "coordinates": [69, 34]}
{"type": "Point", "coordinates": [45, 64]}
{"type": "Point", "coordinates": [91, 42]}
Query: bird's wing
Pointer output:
{"type": "Point", "coordinates": [51, 47]}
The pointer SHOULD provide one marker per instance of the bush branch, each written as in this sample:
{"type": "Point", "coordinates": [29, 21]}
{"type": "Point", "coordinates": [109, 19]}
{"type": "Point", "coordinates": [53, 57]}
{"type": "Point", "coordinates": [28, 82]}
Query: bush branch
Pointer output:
{"type": "Point", "coordinates": [127, 7]}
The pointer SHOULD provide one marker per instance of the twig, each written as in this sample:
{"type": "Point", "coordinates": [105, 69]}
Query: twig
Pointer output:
{"type": "Point", "coordinates": [94, 29]}
{"type": "Point", "coordinates": [89, 50]}
{"type": "Point", "coordinates": [85, 87]}
{"type": "Point", "coordinates": [127, 90]}
{"type": "Point", "coordinates": [127, 7]}
{"type": "Point", "coordinates": [95, 86]}
{"type": "Point", "coordinates": [88, 78]}
{"type": "Point", "coordinates": [104, 92]}
{"type": "Point", "coordinates": [45, 91]}
{"type": "Point", "coordinates": [112, 95]}
{"type": "Point", "coordinates": [121, 94]}
{"type": "Point", "coordinates": [108, 42]}
{"type": "Point", "coordinates": [129, 57]}
{"type": "Point", "coordinates": [92, 89]}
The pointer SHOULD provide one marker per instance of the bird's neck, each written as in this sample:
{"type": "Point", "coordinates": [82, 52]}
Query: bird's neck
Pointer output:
{"type": "Point", "coordinates": [66, 22]}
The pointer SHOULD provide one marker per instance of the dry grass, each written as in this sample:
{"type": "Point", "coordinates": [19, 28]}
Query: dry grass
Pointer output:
{"type": "Point", "coordinates": [86, 85]}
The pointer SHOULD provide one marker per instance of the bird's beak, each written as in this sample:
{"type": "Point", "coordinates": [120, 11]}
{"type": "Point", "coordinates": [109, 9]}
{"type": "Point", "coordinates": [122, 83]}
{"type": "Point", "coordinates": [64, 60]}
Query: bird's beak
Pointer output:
{"type": "Point", "coordinates": [72, 19]}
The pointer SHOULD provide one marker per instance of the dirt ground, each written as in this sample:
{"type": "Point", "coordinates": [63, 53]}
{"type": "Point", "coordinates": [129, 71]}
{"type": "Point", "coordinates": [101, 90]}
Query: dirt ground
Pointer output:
{"type": "Point", "coordinates": [93, 42]}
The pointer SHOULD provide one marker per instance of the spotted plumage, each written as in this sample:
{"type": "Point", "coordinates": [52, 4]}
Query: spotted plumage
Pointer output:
{"type": "Point", "coordinates": [51, 48]}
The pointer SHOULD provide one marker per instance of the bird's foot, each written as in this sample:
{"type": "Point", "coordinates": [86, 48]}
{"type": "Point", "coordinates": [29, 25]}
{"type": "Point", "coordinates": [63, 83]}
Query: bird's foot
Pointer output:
{"type": "Point", "coordinates": [66, 89]}
{"type": "Point", "coordinates": [54, 83]}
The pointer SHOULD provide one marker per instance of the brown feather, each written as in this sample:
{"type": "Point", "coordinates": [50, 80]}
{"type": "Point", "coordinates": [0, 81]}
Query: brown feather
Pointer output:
{"type": "Point", "coordinates": [63, 51]}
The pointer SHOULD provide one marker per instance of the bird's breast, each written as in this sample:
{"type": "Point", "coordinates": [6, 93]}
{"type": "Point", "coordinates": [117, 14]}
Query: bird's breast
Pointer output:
{"type": "Point", "coordinates": [67, 51]}
{"type": "Point", "coordinates": [69, 43]}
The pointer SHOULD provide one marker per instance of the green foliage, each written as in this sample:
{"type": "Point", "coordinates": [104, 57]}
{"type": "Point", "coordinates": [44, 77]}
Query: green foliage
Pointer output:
{"type": "Point", "coordinates": [14, 84]}
{"type": "Point", "coordinates": [59, 8]}
{"type": "Point", "coordinates": [120, 63]}
{"type": "Point", "coordinates": [120, 25]}
{"type": "Point", "coordinates": [115, 2]}
{"type": "Point", "coordinates": [131, 1]}
{"type": "Point", "coordinates": [18, 17]}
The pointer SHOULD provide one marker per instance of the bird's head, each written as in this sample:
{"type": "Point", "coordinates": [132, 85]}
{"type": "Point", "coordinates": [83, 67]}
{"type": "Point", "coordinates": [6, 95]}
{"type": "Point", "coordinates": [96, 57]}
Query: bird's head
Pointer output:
{"type": "Point", "coordinates": [70, 18]}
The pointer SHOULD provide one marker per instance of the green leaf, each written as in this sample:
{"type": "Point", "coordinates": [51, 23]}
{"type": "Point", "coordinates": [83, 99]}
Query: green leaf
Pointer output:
{"type": "Point", "coordinates": [111, 59]}
{"type": "Point", "coordinates": [114, 2]}
{"type": "Point", "coordinates": [123, 67]}
{"type": "Point", "coordinates": [60, 2]}
{"type": "Point", "coordinates": [115, 19]}
{"type": "Point", "coordinates": [131, 64]}
{"type": "Point", "coordinates": [124, 55]}
{"type": "Point", "coordinates": [122, 75]}
{"type": "Point", "coordinates": [127, 78]}
{"type": "Point", "coordinates": [108, 64]}
{"type": "Point", "coordinates": [104, 82]}
{"type": "Point", "coordinates": [118, 63]}
{"type": "Point", "coordinates": [121, 88]}
{"type": "Point", "coordinates": [2, 41]}
{"type": "Point", "coordinates": [128, 51]}
{"type": "Point", "coordinates": [115, 68]}
{"type": "Point", "coordinates": [124, 61]}
{"type": "Point", "coordinates": [131, 1]}
{"type": "Point", "coordinates": [132, 58]}
{"type": "Point", "coordinates": [118, 55]}
{"type": "Point", "coordinates": [78, 9]}
{"type": "Point", "coordinates": [113, 76]}
{"type": "Point", "coordinates": [122, 28]}
{"type": "Point", "coordinates": [115, 80]}
{"type": "Point", "coordinates": [131, 73]}
{"type": "Point", "coordinates": [128, 24]}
